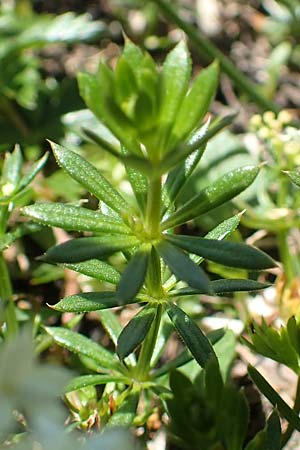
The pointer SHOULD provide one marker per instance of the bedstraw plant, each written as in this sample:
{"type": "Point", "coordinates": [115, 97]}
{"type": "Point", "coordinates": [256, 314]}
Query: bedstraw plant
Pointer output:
{"type": "Point", "coordinates": [157, 126]}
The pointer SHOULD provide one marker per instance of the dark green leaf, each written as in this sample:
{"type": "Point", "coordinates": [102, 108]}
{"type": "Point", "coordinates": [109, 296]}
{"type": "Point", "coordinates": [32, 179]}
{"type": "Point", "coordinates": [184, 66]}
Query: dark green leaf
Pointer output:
{"type": "Point", "coordinates": [135, 331]}
{"type": "Point", "coordinates": [273, 436]}
{"type": "Point", "coordinates": [93, 380]}
{"type": "Point", "coordinates": [277, 401]}
{"type": "Point", "coordinates": [87, 301]}
{"type": "Point", "coordinates": [74, 218]}
{"type": "Point", "coordinates": [232, 420]}
{"type": "Point", "coordinates": [183, 267]}
{"type": "Point", "coordinates": [83, 346]}
{"type": "Point", "coordinates": [179, 361]}
{"type": "Point", "coordinates": [194, 339]}
{"type": "Point", "coordinates": [82, 249]}
{"type": "Point", "coordinates": [89, 177]}
{"type": "Point", "coordinates": [222, 190]}
{"type": "Point", "coordinates": [134, 275]}
{"type": "Point", "coordinates": [224, 252]}
{"type": "Point", "coordinates": [196, 103]}
{"type": "Point", "coordinates": [138, 181]}
{"type": "Point", "coordinates": [223, 287]}
{"type": "Point", "coordinates": [99, 270]}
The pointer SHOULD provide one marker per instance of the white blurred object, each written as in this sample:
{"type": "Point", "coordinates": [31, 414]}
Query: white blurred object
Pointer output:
{"type": "Point", "coordinates": [208, 16]}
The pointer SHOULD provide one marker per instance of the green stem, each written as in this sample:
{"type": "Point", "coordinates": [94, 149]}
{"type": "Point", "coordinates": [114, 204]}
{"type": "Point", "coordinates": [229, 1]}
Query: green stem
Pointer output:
{"type": "Point", "coordinates": [6, 300]}
{"type": "Point", "coordinates": [290, 429]}
{"type": "Point", "coordinates": [204, 46]}
{"type": "Point", "coordinates": [153, 207]}
{"type": "Point", "coordinates": [148, 346]}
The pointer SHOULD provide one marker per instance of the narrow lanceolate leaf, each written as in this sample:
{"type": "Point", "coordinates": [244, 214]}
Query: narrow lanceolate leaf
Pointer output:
{"type": "Point", "coordinates": [178, 154]}
{"type": "Point", "coordinates": [294, 176]}
{"type": "Point", "coordinates": [74, 218]}
{"type": "Point", "coordinates": [196, 103]}
{"type": "Point", "coordinates": [134, 276]}
{"type": "Point", "coordinates": [223, 287]}
{"type": "Point", "coordinates": [90, 178]}
{"type": "Point", "coordinates": [273, 435]}
{"type": "Point", "coordinates": [82, 249]}
{"type": "Point", "coordinates": [222, 190]}
{"type": "Point", "coordinates": [126, 412]}
{"type": "Point", "coordinates": [83, 346]}
{"type": "Point", "coordinates": [194, 339]}
{"type": "Point", "coordinates": [31, 174]}
{"type": "Point", "coordinates": [93, 380]}
{"type": "Point", "coordinates": [267, 390]}
{"type": "Point", "coordinates": [135, 331]}
{"type": "Point", "coordinates": [175, 79]}
{"type": "Point", "coordinates": [224, 252]}
{"type": "Point", "coordinates": [183, 267]}
{"type": "Point", "coordinates": [87, 301]}
{"type": "Point", "coordinates": [99, 270]}
{"type": "Point", "coordinates": [178, 177]}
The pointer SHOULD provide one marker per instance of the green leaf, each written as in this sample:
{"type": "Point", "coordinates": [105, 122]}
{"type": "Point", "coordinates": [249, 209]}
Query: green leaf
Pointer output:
{"type": "Point", "coordinates": [231, 254]}
{"type": "Point", "coordinates": [222, 190]}
{"type": "Point", "coordinates": [178, 177]}
{"type": "Point", "coordinates": [93, 380]}
{"type": "Point", "coordinates": [94, 268]}
{"type": "Point", "coordinates": [31, 174]}
{"type": "Point", "coordinates": [89, 177]}
{"type": "Point", "coordinates": [87, 301]}
{"type": "Point", "coordinates": [273, 436]}
{"type": "Point", "coordinates": [11, 171]}
{"type": "Point", "coordinates": [135, 331]}
{"type": "Point", "coordinates": [277, 401]}
{"type": "Point", "coordinates": [196, 103]}
{"type": "Point", "coordinates": [82, 249]}
{"type": "Point", "coordinates": [125, 86]}
{"type": "Point", "coordinates": [194, 339]}
{"type": "Point", "coordinates": [183, 267]}
{"type": "Point", "coordinates": [132, 54]}
{"type": "Point", "coordinates": [174, 83]}
{"type": "Point", "coordinates": [183, 358]}
{"type": "Point", "coordinates": [232, 419]}
{"type": "Point", "coordinates": [179, 154]}
{"type": "Point", "coordinates": [74, 218]}
{"type": "Point", "coordinates": [223, 287]}
{"type": "Point", "coordinates": [133, 276]}
{"type": "Point", "coordinates": [294, 176]}
{"type": "Point", "coordinates": [126, 412]}
{"type": "Point", "coordinates": [293, 330]}
{"type": "Point", "coordinates": [83, 346]}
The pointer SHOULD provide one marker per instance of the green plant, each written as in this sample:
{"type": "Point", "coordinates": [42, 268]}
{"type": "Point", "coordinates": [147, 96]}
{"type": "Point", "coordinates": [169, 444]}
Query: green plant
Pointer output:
{"type": "Point", "coordinates": [154, 122]}
{"type": "Point", "coordinates": [15, 191]}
